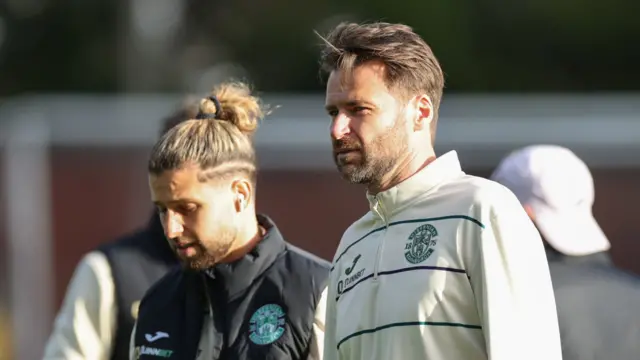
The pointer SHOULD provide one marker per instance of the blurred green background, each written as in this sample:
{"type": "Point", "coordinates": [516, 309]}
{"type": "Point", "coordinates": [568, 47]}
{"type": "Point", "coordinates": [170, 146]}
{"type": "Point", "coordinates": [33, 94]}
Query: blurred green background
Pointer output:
{"type": "Point", "coordinates": [483, 45]}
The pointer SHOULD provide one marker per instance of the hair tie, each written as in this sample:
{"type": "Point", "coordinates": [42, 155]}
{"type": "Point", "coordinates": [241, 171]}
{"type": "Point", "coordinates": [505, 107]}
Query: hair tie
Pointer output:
{"type": "Point", "coordinates": [216, 102]}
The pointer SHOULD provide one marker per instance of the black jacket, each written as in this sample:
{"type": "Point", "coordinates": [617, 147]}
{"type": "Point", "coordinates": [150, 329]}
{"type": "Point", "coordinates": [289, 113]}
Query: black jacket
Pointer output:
{"type": "Point", "coordinates": [259, 307]}
{"type": "Point", "coordinates": [137, 261]}
{"type": "Point", "coordinates": [598, 307]}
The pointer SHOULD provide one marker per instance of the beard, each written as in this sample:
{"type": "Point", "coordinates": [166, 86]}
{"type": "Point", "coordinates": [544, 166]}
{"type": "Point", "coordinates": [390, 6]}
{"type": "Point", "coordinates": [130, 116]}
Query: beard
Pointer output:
{"type": "Point", "coordinates": [204, 255]}
{"type": "Point", "coordinates": [367, 164]}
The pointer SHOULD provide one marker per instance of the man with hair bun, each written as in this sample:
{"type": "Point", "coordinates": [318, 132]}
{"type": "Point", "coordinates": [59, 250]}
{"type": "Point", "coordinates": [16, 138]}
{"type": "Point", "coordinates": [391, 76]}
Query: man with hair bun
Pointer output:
{"type": "Point", "coordinates": [243, 292]}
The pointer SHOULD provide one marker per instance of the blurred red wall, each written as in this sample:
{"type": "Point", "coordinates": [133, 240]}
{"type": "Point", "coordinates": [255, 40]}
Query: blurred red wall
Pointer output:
{"type": "Point", "coordinates": [99, 194]}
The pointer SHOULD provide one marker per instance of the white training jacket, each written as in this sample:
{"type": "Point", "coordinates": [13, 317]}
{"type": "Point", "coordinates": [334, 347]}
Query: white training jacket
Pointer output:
{"type": "Point", "coordinates": [85, 327]}
{"type": "Point", "coordinates": [445, 266]}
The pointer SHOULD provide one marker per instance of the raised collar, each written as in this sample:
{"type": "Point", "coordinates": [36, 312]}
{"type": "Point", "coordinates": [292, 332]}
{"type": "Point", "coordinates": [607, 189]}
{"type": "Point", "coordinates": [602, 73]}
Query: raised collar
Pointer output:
{"type": "Point", "coordinates": [386, 203]}
{"type": "Point", "coordinates": [235, 277]}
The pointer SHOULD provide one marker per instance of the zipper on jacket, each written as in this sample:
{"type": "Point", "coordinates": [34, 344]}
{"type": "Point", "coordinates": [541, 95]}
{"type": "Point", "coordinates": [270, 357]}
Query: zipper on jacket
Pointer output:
{"type": "Point", "coordinates": [379, 209]}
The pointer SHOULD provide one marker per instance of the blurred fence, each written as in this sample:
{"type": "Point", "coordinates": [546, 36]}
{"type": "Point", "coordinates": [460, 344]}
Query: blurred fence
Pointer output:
{"type": "Point", "coordinates": [74, 175]}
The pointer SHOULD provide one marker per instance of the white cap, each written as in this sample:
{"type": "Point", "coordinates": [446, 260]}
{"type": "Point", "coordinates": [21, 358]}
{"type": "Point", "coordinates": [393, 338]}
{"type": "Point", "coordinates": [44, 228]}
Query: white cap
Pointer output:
{"type": "Point", "coordinates": [558, 187]}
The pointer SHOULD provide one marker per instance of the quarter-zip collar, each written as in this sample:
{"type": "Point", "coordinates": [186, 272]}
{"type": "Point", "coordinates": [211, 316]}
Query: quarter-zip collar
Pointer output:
{"type": "Point", "coordinates": [387, 203]}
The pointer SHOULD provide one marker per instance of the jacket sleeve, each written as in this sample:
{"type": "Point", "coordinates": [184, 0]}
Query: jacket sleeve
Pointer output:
{"type": "Point", "coordinates": [330, 344]}
{"type": "Point", "coordinates": [85, 325]}
{"type": "Point", "coordinates": [132, 344]}
{"type": "Point", "coordinates": [512, 287]}
{"type": "Point", "coordinates": [317, 340]}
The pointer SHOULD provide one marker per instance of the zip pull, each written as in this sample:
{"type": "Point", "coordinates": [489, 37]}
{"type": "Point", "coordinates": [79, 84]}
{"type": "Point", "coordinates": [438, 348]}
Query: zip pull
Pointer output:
{"type": "Point", "coordinates": [379, 208]}
{"type": "Point", "coordinates": [376, 207]}
{"type": "Point", "coordinates": [381, 212]}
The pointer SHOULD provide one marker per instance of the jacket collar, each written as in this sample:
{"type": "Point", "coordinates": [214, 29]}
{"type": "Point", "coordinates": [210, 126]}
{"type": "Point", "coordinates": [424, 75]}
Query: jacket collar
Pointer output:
{"type": "Point", "coordinates": [233, 278]}
{"type": "Point", "coordinates": [387, 203]}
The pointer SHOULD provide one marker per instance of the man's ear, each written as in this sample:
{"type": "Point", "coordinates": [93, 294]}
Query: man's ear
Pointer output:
{"type": "Point", "coordinates": [243, 193]}
{"type": "Point", "coordinates": [424, 112]}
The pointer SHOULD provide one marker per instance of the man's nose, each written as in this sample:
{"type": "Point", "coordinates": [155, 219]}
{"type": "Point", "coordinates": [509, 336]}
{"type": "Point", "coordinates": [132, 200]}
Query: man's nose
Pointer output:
{"type": "Point", "coordinates": [173, 227]}
{"type": "Point", "coordinates": [340, 126]}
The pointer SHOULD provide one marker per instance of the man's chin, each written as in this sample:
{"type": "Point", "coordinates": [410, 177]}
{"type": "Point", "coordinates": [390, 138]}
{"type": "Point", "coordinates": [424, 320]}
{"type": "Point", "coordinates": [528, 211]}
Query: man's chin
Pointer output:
{"type": "Point", "coordinates": [354, 174]}
{"type": "Point", "coordinates": [194, 265]}
{"type": "Point", "coordinates": [197, 263]}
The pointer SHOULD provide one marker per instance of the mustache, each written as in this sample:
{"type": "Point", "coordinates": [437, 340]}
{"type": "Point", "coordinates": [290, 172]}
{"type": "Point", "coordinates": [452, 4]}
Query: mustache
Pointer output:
{"type": "Point", "coordinates": [183, 243]}
{"type": "Point", "coordinates": [346, 144]}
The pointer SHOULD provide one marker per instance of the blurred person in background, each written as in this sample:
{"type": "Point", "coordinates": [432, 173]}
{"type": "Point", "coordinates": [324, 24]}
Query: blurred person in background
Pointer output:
{"type": "Point", "coordinates": [444, 265]}
{"type": "Point", "coordinates": [243, 292]}
{"type": "Point", "coordinates": [598, 304]}
{"type": "Point", "coordinates": [101, 303]}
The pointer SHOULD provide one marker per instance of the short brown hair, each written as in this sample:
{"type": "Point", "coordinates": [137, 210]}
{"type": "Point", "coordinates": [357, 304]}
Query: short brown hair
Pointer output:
{"type": "Point", "coordinates": [222, 145]}
{"type": "Point", "coordinates": [411, 67]}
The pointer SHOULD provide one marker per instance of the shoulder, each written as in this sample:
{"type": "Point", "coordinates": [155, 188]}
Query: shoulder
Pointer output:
{"type": "Point", "coordinates": [481, 197]}
{"type": "Point", "coordinates": [300, 272]}
{"type": "Point", "coordinates": [476, 189]}
{"type": "Point", "coordinates": [94, 261]}
{"type": "Point", "coordinates": [572, 276]}
{"type": "Point", "coordinates": [306, 257]}
{"type": "Point", "coordinates": [92, 276]}
{"type": "Point", "coordinates": [164, 290]}
{"type": "Point", "coordinates": [93, 268]}
{"type": "Point", "coordinates": [306, 261]}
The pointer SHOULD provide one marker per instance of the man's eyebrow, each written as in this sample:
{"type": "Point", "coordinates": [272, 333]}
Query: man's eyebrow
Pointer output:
{"type": "Point", "coordinates": [174, 201]}
{"type": "Point", "coordinates": [354, 102]}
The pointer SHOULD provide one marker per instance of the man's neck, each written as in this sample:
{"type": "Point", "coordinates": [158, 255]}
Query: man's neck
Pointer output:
{"type": "Point", "coordinates": [405, 168]}
{"type": "Point", "coordinates": [247, 239]}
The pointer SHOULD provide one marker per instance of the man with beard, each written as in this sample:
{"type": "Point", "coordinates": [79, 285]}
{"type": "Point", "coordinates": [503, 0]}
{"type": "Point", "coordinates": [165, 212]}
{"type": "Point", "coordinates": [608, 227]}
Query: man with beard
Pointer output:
{"type": "Point", "coordinates": [444, 265]}
{"type": "Point", "coordinates": [101, 303]}
{"type": "Point", "coordinates": [243, 293]}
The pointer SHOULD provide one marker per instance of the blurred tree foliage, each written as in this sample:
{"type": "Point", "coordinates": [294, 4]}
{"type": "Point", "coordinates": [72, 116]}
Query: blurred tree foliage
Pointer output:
{"type": "Point", "coordinates": [483, 45]}
{"type": "Point", "coordinates": [67, 45]}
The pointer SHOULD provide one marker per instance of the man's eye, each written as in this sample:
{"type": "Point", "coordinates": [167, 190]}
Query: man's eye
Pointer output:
{"type": "Point", "coordinates": [360, 109]}
{"type": "Point", "coordinates": [187, 208]}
